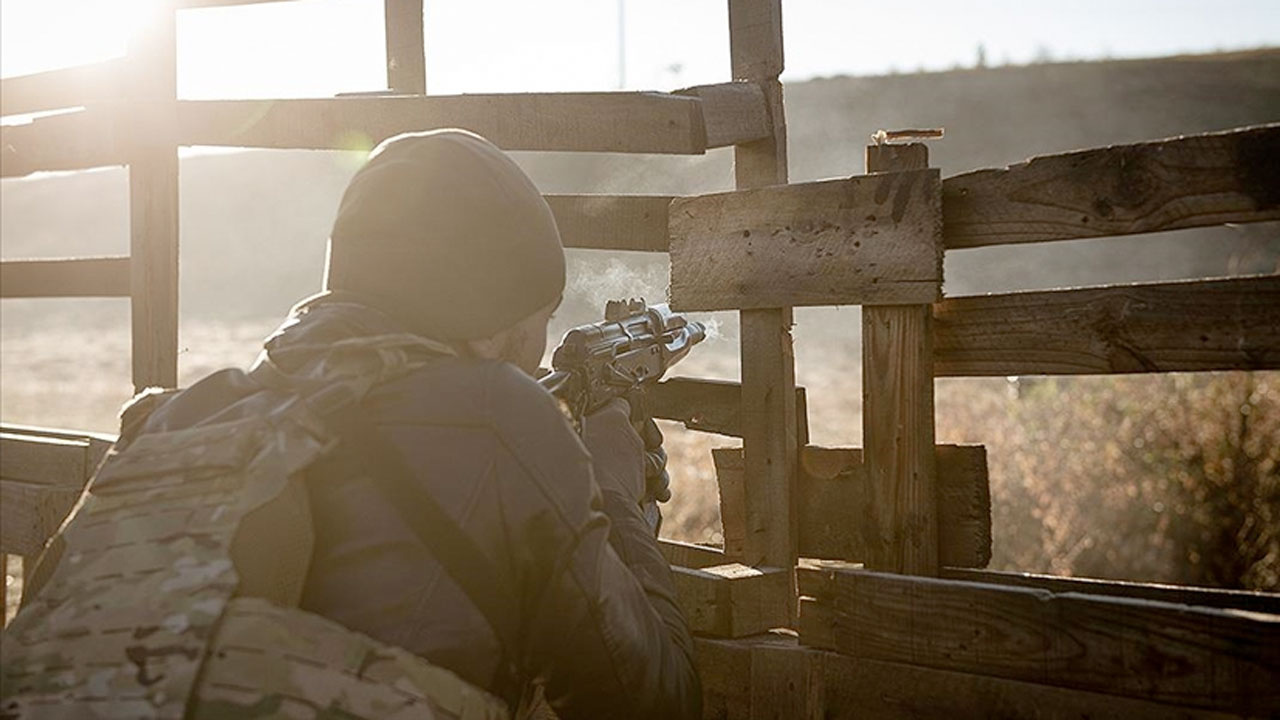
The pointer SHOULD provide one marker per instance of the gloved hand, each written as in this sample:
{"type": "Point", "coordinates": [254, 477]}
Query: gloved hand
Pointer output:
{"type": "Point", "coordinates": [617, 451]}
{"type": "Point", "coordinates": [657, 483]}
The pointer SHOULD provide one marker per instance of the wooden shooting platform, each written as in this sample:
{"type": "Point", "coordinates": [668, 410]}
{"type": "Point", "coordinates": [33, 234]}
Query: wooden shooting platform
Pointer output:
{"type": "Point", "coordinates": [851, 582]}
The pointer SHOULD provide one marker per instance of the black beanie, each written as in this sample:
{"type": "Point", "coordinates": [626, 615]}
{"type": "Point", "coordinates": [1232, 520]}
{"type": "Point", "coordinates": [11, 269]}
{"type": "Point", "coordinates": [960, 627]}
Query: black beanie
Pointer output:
{"type": "Point", "coordinates": [444, 232]}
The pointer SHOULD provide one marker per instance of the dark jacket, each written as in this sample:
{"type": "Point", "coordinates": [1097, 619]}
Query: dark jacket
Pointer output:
{"type": "Point", "coordinates": [598, 624]}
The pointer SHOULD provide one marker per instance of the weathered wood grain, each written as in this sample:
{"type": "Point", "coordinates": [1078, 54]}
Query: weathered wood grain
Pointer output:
{"type": "Point", "coordinates": [768, 359]}
{"type": "Point", "coordinates": [153, 200]}
{"type": "Point", "coordinates": [832, 495]}
{"type": "Point", "coordinates": [612, 222]}
{"type": "Point", "coordinates": [733, 600]}
{"type": "Point", "coordinates": [1179, 594]}
{"type": "Point", "coordinates": [900, 518]}
{"type": "Point", "coordinates": [44, 460]}
{"type": "Point", "coordinates": [689, 555]}
{"type": "Point", "coordinates": [40, 479]}
{"type": "Point", "coordinates": [770, 676]}
{"type": "Point", "coordinates": [1159, 327]}
{"type": "Point", "coordinates": [68, 141]}
{"type": "Point", "coordinates": [755, 31]}
{"type": "Point", "coordinates": [861, 240]}
{"type": "Point", "coordinates": [99, 443]}
{"type": "Point", "coordinates": [708, 405]}
{"type": "Point", "coordinates": [731, 479]}
{"type": "Point", "coordinates": [406, 60]}
{"type": "Point", "coordinates": [833, 491]}
{"type": "Point", "coordinates": [733, 113]}
{"type": "Point", "coordinates": [65, 277]}
{"type": "Point", "coordinates": [1194, 656]}
{"type": "Point", "coordinates": [1182, 182]}
{"type": "Point", "coordinates": [600, 122]}
{"type": "Point", "coordinates": [75, 86]}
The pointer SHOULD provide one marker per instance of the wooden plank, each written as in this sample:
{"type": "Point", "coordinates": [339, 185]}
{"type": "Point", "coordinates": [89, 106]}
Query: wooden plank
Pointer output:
{"type": "Point", "coordinates": [821, 685]}
{"type": "Point", "coordinates": [900, 519]}
{"type": "Point", "coordinates": [731, 479]}
{"type": "Point", "coordinates": [767, 355]}
{"type": "Point", "coordinates": [1158, 327]}
{"type": "Point", "coordinates": [755, 31]}
{"type": "Point", "coordinates": [733, 600]}
{"type": "Point", "coordinates": [633, 122]}
{"type": "Point", "coordinates": [689, 555]}
{"type": "Point", "coordinates": [153, 201]}
{"type": "Point", "coordinates": [733, 113]}
{"type": "Point", "coordinates": [30, 513]}
{"type": "Point", "coordinates": [612, 222]}
{"type": "Point", "coordinates": [1178, 594]}
{"type": "Point", "coordinates": [75, 86]}
{"type": "Point", "coordinates": [406, 59]}
{"type": "Point", "coordinates": [860, 240]}
{"type": "Point", "coordinates": [1145, 187]}
{"type": "Point", "coordinates": [68, 141]}
{"type": "Point", "coordinates": [65, 277]}
{"type": "Point", "coordinates": [901, 516]}
{"type": "Point", "coordinates": [99, 443]}
{"type": "Point", "coordinates": [1193, 656]}
{"type": "Point", "coordinates": [44, 460]}
{"type": "Point", "coordinates": [708, 405]}
{"type": "Point", "coordinates": [832, 496]}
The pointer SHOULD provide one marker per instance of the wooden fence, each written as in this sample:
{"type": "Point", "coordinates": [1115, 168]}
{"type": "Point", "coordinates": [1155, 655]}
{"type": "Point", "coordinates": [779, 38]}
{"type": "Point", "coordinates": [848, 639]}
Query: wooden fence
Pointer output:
{"type": "Point", "coordinates": [895, 615]}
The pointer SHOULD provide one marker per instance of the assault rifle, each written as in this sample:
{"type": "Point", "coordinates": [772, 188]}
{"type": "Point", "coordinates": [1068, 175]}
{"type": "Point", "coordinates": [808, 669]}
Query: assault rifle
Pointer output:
{"type": "Point", "coordinates": [633, 347]}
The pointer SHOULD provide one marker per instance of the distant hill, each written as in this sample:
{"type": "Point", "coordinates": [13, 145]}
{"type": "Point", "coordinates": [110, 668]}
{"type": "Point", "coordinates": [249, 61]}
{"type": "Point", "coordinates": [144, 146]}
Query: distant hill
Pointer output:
{"type": "Point", "coordinates": [254, 222]}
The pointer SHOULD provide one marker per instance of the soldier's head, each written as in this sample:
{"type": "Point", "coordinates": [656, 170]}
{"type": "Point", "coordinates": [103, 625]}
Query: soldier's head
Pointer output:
{"type": "Point", "coordinates": [444, 232]}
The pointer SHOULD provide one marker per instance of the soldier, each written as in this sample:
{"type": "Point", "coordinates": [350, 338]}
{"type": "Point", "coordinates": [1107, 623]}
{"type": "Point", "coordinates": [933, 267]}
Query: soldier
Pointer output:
{"type": "Point", "coordinates": [456, 514]}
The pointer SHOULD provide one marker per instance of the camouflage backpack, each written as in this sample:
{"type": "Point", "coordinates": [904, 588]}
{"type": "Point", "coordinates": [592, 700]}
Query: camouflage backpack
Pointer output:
{"type": "Point", "coordinates": [170, 591]}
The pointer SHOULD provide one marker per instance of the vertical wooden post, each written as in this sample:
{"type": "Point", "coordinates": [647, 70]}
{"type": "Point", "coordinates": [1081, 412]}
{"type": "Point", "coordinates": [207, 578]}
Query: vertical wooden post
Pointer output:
{"type": "Point", "coordinates": [153, 199]}
{"type": "Point", "coordinates": [901, 524]}
{"type": "Point", "coordinates": [768, 363]}
{"type": "Point", "coordinates": [406, 59]}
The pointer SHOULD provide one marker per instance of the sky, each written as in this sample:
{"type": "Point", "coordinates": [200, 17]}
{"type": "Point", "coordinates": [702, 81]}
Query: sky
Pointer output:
{"type": "Point", "coordinates": [316, 48]}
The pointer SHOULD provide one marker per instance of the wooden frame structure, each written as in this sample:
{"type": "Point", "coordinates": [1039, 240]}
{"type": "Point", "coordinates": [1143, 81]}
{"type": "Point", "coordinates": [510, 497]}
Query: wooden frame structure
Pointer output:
{"type": "Point", "coordinates": [896, 617]}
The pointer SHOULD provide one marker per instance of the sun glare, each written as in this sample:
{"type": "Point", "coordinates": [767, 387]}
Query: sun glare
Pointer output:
{"type": "Point", "coordinates": [39, 35]}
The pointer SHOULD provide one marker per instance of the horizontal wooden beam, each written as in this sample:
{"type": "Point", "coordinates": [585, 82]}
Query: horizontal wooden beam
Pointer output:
{"type": "Point", "coordinates": [1194, 656]}
{"type": "Point", "coordinates": [709, 405]}
{"type": "Point", "coordinates": [733, 600]}
{"type": "Point", "coordinates": [733, 113]}
{"type": "Point", "coordinates": [1181, 594]}
{"type": "Point", "coordinates": [44, 460]}
{"type": "Point", "coordinates": [872, 239]}
{"type": "Point", "coordinates": [770, 676]}
{"type": "Point", "coordinates": [831, 499]}
{"type": "Point", "coordinates": [67, 87]}
{"type": "Point", "coordinates": [628, 122]}
{"type": "Point", "coordinates": [1161, 327]}
{"type": "Point", "coordinates": [612, 222]}
{"type": "Point", "coordinates": [690, 555]}
{"type": "Point", "coordinates": [99, 442]}
{"type": "Point", "coordinates": [68, 277]}
{"type": "Point", "coordinates": [1226, 177]}
{"type": "Point", "coordinates": [69, 141]}
{"type": "Point", "coordinates": [41, 477]}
